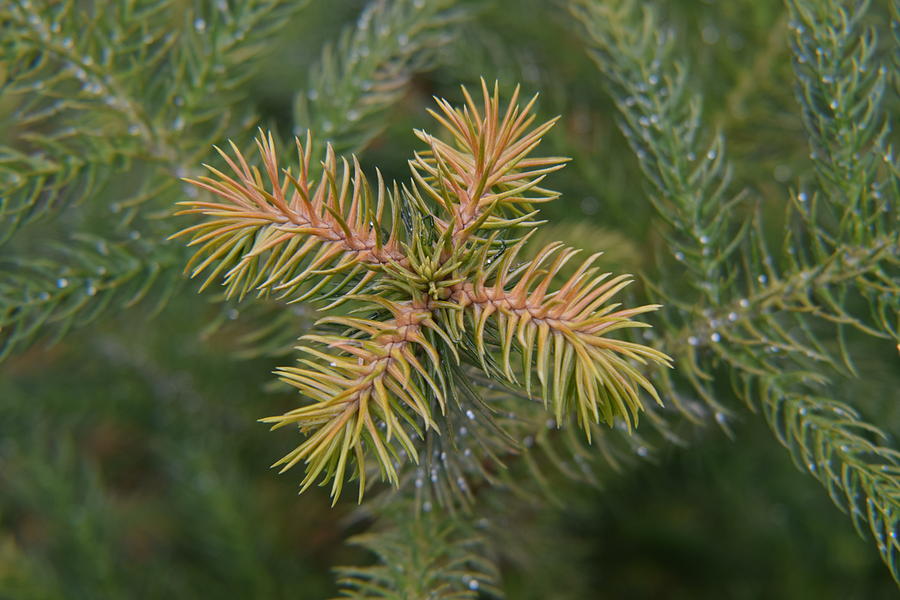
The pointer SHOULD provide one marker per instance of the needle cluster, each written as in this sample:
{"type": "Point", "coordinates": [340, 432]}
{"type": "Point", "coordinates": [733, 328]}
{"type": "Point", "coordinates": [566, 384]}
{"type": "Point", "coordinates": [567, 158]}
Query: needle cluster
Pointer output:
{"type": "Point", "coordinates": [419, 282]}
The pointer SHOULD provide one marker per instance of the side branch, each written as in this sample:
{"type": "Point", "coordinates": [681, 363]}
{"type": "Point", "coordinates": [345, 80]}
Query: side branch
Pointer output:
{"type": "Point", "coordinates": [271, 235]}
{"type": "Point", "coordinates": [484, 178]}
{"type": "Point", "coordinates": [562, 334]}
{"type": "Point", "coordinates": [368, 393]}
{"type": "Point", "coordinates": [806, 291]}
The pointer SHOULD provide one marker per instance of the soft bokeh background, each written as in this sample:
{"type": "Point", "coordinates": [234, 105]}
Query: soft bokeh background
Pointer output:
{"type": "Point", "coordinates": [132, 465]}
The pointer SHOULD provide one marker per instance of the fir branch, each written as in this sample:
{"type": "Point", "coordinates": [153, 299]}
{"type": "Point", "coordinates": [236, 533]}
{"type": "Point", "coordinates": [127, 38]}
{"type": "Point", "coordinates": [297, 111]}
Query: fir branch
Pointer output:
{"type": "Point", "coordinates": [841, 89]}
{"type": "Point", "coordinates": [88, 275]}
{"type": "Point", "coordinates": [429, 556]}
{"type": "Point", "coordinates": [661, 119]}
{"type": "Point", "coordinates": [367, 71]}
{"type": "Point", "coordinates": [497, 428]}
{"type": "Point", "coordinates": [86, 114]}
{"type": "Point", "coordinates": [829, 440]}
{"type": "Point", "coordinates": [56, 91]}
{"type": "Point", "coordinates": [688, 176]}
{"type": "Point", "coordinates": [805, 292]}
{"type": "Point", "coordinates": [430, 289]}
{"type": "Point", "coordinates": [771, 338]}
{"type": "Point", "coordinates": [773, 343]}
{"type": "Point", "coordinates": [487, 177]}
{"type": "Point", "coordinates": [370, 383]}
{"type": "Point", "coordinates": [431, 357]}
{"type": "Point", "coordinates": [272, 241]}
{"type": "Point", "coordinates": [563, 333]}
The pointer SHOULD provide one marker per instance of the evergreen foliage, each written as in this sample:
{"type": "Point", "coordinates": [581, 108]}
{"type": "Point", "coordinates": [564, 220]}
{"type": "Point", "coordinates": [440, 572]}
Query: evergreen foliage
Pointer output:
{"type": "Point", "coordinates": [428, 278]}
{"type": "Point", "coordinates": [431, 557]}
{"type": "Point", "coordinates": [842, 241]}
{"type": "Point", "coordinates": [449, 343]}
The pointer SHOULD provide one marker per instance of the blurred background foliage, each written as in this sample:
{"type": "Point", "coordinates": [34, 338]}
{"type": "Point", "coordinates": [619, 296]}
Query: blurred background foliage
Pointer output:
{"type": "Point", "coordinates": [132, 466]}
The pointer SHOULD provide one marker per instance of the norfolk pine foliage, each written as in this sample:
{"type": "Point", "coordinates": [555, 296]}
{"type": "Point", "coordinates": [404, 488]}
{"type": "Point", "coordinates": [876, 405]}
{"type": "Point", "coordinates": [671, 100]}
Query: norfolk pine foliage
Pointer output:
{"type": "Point", "coordinates": [444, 332]}
{"type": "Point", "coordinates": [429, 264]}
{"type": "Point", "coordinates": [764, 316]}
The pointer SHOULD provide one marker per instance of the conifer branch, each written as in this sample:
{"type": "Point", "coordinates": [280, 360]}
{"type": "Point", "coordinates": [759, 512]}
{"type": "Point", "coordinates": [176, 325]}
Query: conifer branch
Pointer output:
{"type": "Point", "coordinates": [490, 182]}
{"type": "Point", "coordinates": [431, 291]}
{"type": "Point", "coordinates": [841, 89]}
{"type": "Point", "coordinates": [431, 555]}
{"type": "Point", "coordinates": [86, 114]}
{"type": "Point", "coordinates": [661, 119]}
{"type": "Point", "coordinates": [90, 102]}
{"type": "Point", "coordinates": [838, 246]}
{"type": "Point", "coordinates": [808, 291]}
{"type": "Point", "coordinates": [371, 383]}
{"type": "Point", "coordinates": [45, 171]}
{"type": "Point", "coordinates": [272, 235]}
{"type": "Point", "coordinates": [440, 300]}
{"type": "Point", "coordinates": [76, 284]}
{"type": "Point", "coordinates": [351, 87]}
{"type": "Point", "coordinates": [688, 176]}
{"type": "Point", "coordinates": [367, 71]}
{"type": "Point", "coordinates": [562, 334]}
{"type": "Point", "coordinates": [829, 440]}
